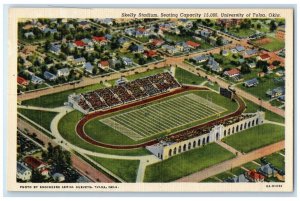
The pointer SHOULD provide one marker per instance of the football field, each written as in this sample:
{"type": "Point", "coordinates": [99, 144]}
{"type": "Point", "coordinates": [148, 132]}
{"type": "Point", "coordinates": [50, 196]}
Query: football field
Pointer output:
{"type": "Point", "coordinates": [153, 119]}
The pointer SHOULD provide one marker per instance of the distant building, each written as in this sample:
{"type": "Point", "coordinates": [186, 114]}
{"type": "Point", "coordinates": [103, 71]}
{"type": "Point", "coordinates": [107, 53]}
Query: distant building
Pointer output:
{"type": "Point", "coordinates": [127, 61]}
{"type": "Point", "coordinates": [37, 80]}
{"type": "Point", "coordinates": [88, 67]}
{"type": "Point", "coordinates": [263, 57]}
{"type": "Point", "coordinates": [55, 49]}
{"type": "Point", "coordinates": [103, 65]}
{"type": "Point", "coordinates": [251, 83]}
{"type": "Point", "coordinates": [280, 32]}
{"type": "Point", "coordinates": [137, 48]}
{"type": "Point", "coordinates": [273, 93]}
{"type": "Point", "coordinates": [267, 171]}
{"type": "Point", "coordinates": [200, 59]}
{"type": "Point", "coordinates": [239, 179]}
{"type": "Point", "coordinates": [192, 44]}
{"type": "Point", "coordinates": [79, 61]}
{"type": "Point", "coordinates": [254, 176]}
{"type": "Point", "coordinates": [28, 34]}
{"type": "Point", "coordinates": [36, 164]}
{"type": "Point", "coordinates": [63, 72]}
{"type": "Point", "coordinates": [23, 172]}
{"type": "Point", "coordinates": [58, 177]}
{"type": "Point", "coordinates": [240, 48]}
{"type": "Point", "coordinates": [214, 65]}
{"type": "Point", "coordinates": [49, 76]}
{"type": "Point", "coordinates": [232, 72]}
{"type": "Point", "coordinates": [22, 81]}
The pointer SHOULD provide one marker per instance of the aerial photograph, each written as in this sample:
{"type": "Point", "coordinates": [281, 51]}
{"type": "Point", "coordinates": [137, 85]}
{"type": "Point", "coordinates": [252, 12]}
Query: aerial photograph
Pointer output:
{"type": "Point", "coordinates": [150, 100]}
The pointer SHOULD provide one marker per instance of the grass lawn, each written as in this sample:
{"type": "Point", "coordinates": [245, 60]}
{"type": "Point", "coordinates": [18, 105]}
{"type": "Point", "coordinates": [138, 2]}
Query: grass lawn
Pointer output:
{"type": "Point", "coordinates": [255, 137]}
{"type": "Point", "coordinates": [260, 90]}
{"type": "Point", "coordinates": [58, 99]}
{"type": "Point", "coordinates": [276, 103]}
{"type": "Point", "coordinates": [274, 45]}
{"type": "Point", "coordinates": [242, 32]}
{"type": "Point", "coordinates": [276, 160]}
{"type": "Point", "coordinates": [213, 86]}
{"type": "Point", "coordinates": [125, 169]}
{"type": "Point", "coordinates": [252, 107]}
{"type": "Point", "coordinates": [185, 77]}
{"type": "Point", "coordinates": [147, 73]}
{"type": "Point", "coordinates": [42, 118]}
{"type": "Point", "coordinates": [250, 166]}
{"type": "Point", "coordinates": [237, 171]}
{"type": "Point", "coordinates": [186, 163]}
{"type": "Point", "coordinates": [66, 127]}
{"type": "Point", "coordinates": [224, 175]}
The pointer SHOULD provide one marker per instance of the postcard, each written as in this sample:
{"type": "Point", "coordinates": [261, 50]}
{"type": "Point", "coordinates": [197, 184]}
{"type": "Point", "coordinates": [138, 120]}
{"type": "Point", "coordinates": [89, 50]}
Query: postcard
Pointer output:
{"type": "Point", "coordinates": [150, 100]}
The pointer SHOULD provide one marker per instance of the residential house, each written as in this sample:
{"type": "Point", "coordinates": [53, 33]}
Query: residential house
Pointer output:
{"type": "Point", "coordinates": [70, 58]}
{"type": "Point", "coordinates": [88, 67]}
{"type": "Point", "coordinates": [251, 65]}
{"type": "Point", "coordinates": [71, 46]}
{"type": "Point", "coordinates": [239, 179]}
{"type": "Point", "coordinates": [36, 164]}
{"type": "Point", "coordinates": [267, 170]}
{"type": "Point", "coordinates": [157, 42]}
{"type": "Point", "coordinates": [261, 74]}
{"type": "Point", "coordinates": [129, 31]}
{"type": "Point", "coordinates": [113, 62]}
{"type": "Point", "coordinates": [182, 46]}
{"type": "Point", "coordinates": [200, 59]}
{"type": "Point", "coordinates": [205, 33]}
{"type": "Point", "coordinates": [123, 40]}
{"type": "Point", "coordinates": [251, 83]}
{"type": "Point", "coordinates": [100, 40]}
{"type": "Point", "coordinates": [233, 51]}
{"type": "Point", "coordinates": [23, 172]}
{"type": "Point", "coordinates": [137, 48]}
{"type": "Point", "coordinates": [192, 44]}
{"type": "Point", "coordinates": [28, 34]}
{"type": "Point", "coordinates": [150, 54]}
{"type": "Point", "coordinates": [280, 32]}
{"type": "Point", "coordinates": [213, 40]}
{"type": "Point", "coordinates": [51, 31]}
{"type": "Point", "coordinates": [280, 73]}
{"type": "Point", "coordinates": [79, 44]}
{"type": "Point", "coordinates": [79, 61]}
{"type": "Point", "coordinates": [263, 57]}
{"type": "Point", "coordinates": [103, 65]}
{"type": "Point", "coordinates": [49, 76]}
{"type": "Point", "coordinates": [225, 53]}
{"type": "Point", "coordinates": [127, 61]}
{"type": "Point", "coordinates": [170, 49]}
{"type": "Point", "coordinates": [254, 176]}
{"type": "Point", "coordinates": [107, 21]}
{"type": "Point", "coordinates": [22, 81]}
{"type": "Point", "coordinates": [240, 48]}
{"type": "Point", "coordinates": [55, 48]}
{"type": "Point", "coordinates": [65, 72]}
{"type": "Point", "coordinates": [232, 72]}
{"type": "Point", "coordinates": [250, 53]}
{"type": "Point", "coordinates": [58, 177]}
{"type": "Point", "coordinates": [214, 65]}
{"type": "Point", "coordinates": [108, 36]}
{"type": "Point", "coordinates": [84, 25]}
{"type": "Point", "coordinates": [87, 41]}
{"type": "Point", "coordinates": [273, 93]}
{"type": "Point", "coordinates": [37, 80]}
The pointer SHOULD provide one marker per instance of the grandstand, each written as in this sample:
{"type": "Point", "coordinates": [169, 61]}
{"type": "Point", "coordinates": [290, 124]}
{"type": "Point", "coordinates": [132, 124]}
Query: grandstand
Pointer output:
{"type": "Point", "coordinates": [126, 92]}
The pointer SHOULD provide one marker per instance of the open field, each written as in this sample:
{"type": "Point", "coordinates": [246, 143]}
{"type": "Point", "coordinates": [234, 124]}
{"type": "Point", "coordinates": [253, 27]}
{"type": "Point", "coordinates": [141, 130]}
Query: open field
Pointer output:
{"type": "Point", "coordinates": [156, 118]}
{"type": "Point", "coordinates": [271, 44]}
{"type": "Point", "coordinates": [112, 136]}
{"type": "Point", "coordinates": [125, 169]}
{"type": "Point", "coordinates": [276, 160]}
{"type": "Point", "coordinates": [252, 107]}
{"type": "Point", "coordinates": [186, 163]}
{"type": "Point", "coordinates": [67, 125]}
{"type": "Point", "coordinates": [42, 118]}
{"type": "Point", "coordinates": [186, 77]}
{"type": "Point", "coordinates": [255, 137]}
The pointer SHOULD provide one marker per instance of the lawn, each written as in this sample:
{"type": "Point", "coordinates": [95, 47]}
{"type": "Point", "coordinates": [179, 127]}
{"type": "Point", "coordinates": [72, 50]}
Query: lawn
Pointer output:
{"type": "Point", "coordinates": [237, 171]}
{"type": "Point", "coordinates": [185, 77]}
{"type": "Point", "coordinates": [58, 99]}
{"type": "Point", "coordinates": [186, 163]}
{"type": "Point", "coordinates": [224, 175]}
{"type": "Point", "coordinates": [256, 137]}
{"type": "Point", "coordinates": [250, 166]}
{"type": "Point", "coordinates": [42, 118]}
{"type": "Point", "coordinates": [125, 169]}
{"type": "Point", "coordinates": [260, 90]}
{"type": "Point", "coordinates": [276, 103]}
{"type": "Point", "coordinates": [210, 180]}
{"type": "Point", "coordinates": [274, 45]}
{"type": "Point", "coordinates": [242, 32]}
{"type": "Point", "coordinates": [252, 107]}
{"type": "Point", "coordinates": [213, 86]}
{"type": "Point", "coordinates": [276, 160]}
{"type": "Point", "coordinates": [66, 127]}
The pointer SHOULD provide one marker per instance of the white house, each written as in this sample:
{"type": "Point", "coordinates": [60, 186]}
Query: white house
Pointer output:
{"type": "Point", "coordinates": [63, 72]}
{"type": "Point", "coordinates": [23, 172]}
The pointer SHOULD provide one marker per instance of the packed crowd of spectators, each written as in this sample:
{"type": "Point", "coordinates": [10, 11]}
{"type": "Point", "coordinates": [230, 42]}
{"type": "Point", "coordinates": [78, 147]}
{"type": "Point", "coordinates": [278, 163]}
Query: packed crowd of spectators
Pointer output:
{"type": "Point", "coordinates": [127, 92]}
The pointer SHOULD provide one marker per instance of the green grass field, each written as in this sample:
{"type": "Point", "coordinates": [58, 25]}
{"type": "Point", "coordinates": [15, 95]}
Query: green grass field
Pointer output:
{"type": "Point", "coordinates": [58, 99]}
{"type": "Point", "coordinates": [255, 137]}
{"type": "Point", "coordinates": [114, 136]}
{"type": "Point", "coordinates": [276, 160]}
{"type": "Point", "coordinates": [250, 166]}
{"type": "Point", "coordinates": [186, 163]}
{"type": "Point", "coordinates": [275, 44]}
{"type": "Point", "coordinates": [242, 32]}
{"type": "Point", "coordinates": [42, 118]}
{"type": "Point", "coordinates": [252, 107]}
{"type": "Point", "coordinates": [125, 169]}
{"type": "Point", "coordinates": [185, 77]}
{"type": "Point", "coordinates": [66, 127]}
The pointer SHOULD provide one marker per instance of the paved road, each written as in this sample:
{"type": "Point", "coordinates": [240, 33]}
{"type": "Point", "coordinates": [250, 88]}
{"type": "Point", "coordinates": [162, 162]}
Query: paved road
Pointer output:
{"type": "Point", "coordinates": [82, 166]}
{"type": "Point", "coordinates": [238, 161]}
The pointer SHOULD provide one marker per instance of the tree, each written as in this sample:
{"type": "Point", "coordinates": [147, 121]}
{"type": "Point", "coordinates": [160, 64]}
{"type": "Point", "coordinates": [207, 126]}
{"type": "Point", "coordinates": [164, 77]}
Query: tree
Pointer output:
{"type": "Point", "coordinates": [94, 71]}
{"type": "Point", "coordinates": [258, 26]}
{"type": "Point", "coordinates": [37, 177]}
{"type": "Point", "coordinates": [245, 69]}
{"type": "Point", "coordinates": [219, 41]}
{"type": "Point", "coordinates": [273, 26]}
{"type": "Point", "coordinates": [47, 45]}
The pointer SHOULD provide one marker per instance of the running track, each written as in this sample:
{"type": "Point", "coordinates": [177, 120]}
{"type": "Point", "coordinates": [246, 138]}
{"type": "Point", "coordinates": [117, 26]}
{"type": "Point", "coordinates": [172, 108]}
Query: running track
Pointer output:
{"type": "Point", "coordinates": [86, 118]}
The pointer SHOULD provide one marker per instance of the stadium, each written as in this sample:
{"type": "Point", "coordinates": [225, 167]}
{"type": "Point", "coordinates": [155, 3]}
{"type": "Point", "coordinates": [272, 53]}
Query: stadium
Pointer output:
{"type": "Point", "coordinates": [157, 113]}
